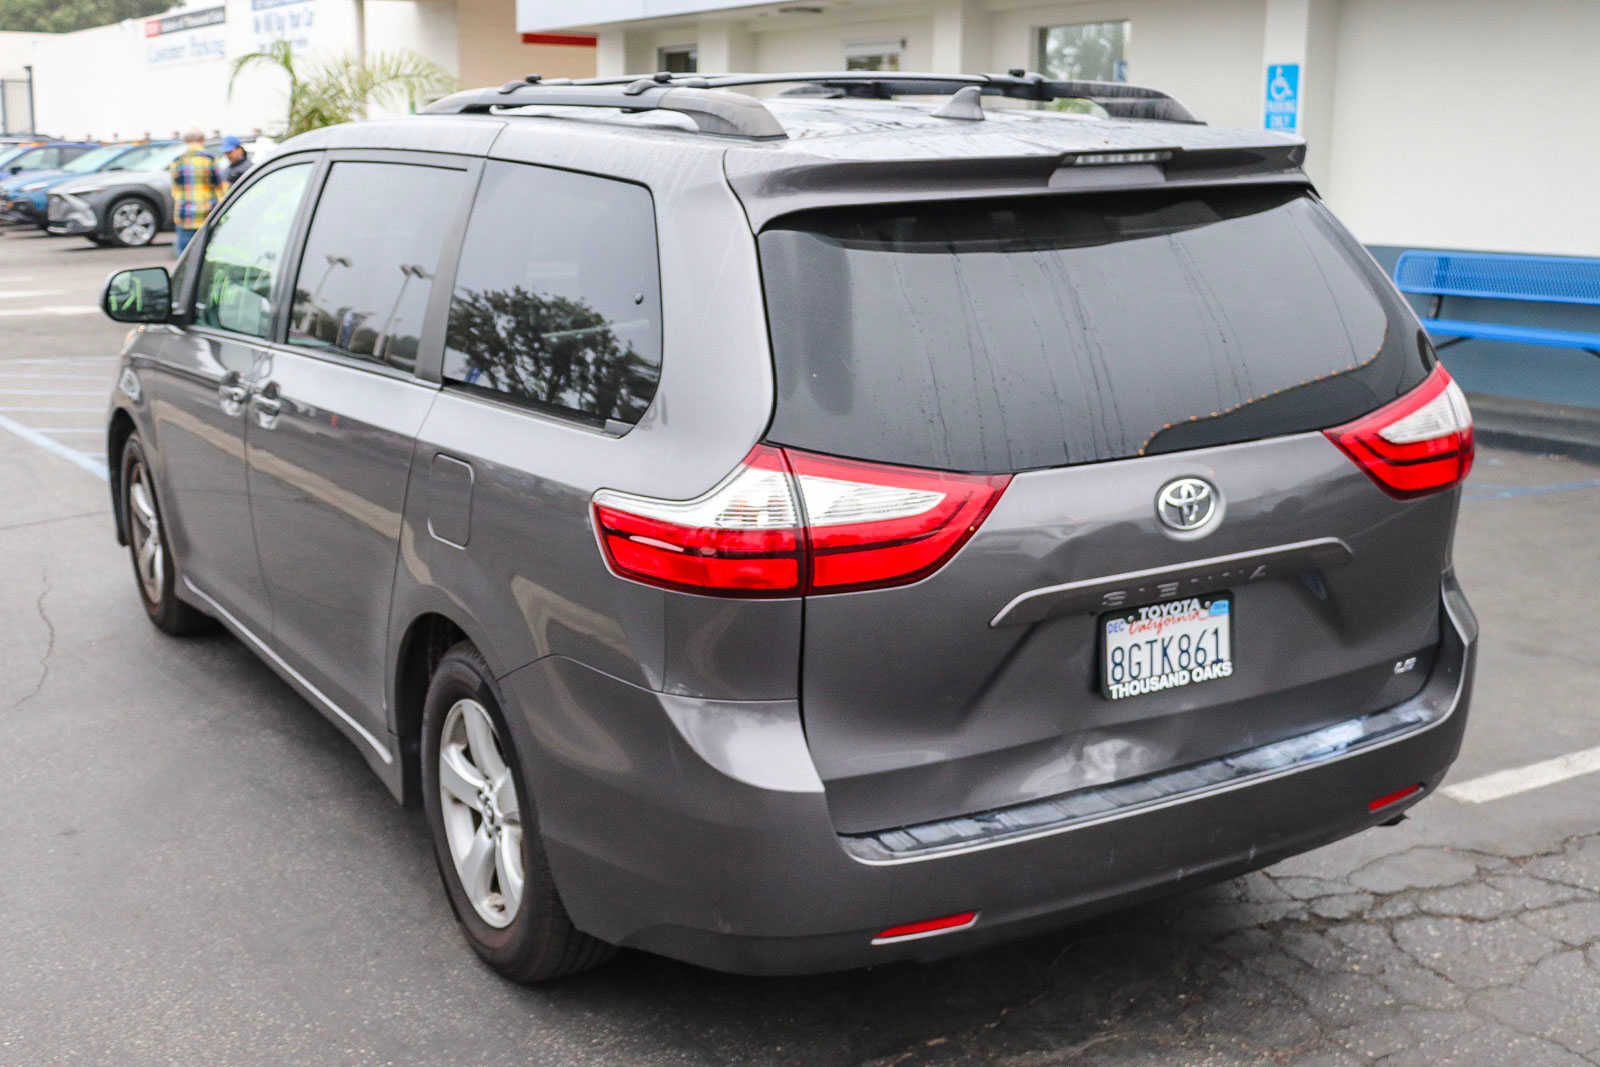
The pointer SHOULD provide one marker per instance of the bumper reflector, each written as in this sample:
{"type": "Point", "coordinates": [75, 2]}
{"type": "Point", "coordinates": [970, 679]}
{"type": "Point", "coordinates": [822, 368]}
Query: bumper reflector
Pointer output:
{"type": "Point", "coordinates": [926, 928]}
{"type": "Point", "coordinates": [1394, 798]}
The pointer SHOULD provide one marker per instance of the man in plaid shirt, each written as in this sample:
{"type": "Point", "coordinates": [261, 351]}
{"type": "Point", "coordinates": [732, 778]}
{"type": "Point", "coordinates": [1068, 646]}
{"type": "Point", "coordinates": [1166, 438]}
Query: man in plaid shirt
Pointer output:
{"type": "Point", "coordinates": [198, 181]}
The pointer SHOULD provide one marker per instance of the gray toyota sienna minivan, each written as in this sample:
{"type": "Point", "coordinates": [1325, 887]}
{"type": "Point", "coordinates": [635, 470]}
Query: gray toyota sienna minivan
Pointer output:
{"type": "Point", "coordinates": [796, 529]}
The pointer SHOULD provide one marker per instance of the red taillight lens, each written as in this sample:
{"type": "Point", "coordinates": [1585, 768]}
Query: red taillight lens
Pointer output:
{"type": "Point", "coordinates": [787, 522]}
{"type": "Point", "coordinates": [871, 525]}
{"type": "Point", "coordinates": [1417, 445]}
{"type": "Point", "coordinates": [741, 538]}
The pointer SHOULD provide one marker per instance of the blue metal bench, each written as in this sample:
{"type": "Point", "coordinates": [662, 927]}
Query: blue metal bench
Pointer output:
{"type": "Point", "coordinates": [1495, 276]}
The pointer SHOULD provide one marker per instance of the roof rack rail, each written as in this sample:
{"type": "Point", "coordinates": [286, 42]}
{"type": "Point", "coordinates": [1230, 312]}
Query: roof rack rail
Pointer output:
{"type": "Point", "coordinates": [736, 115]}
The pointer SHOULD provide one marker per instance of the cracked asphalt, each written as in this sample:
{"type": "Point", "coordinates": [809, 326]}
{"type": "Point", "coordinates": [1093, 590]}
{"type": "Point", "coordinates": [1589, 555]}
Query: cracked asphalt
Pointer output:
{"type": "Point", "coordinates": [195, 867]}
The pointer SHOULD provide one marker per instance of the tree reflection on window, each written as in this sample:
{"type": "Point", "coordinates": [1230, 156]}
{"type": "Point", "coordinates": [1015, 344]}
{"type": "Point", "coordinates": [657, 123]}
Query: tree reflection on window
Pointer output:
{"type": "Point", "coordinates": [548, 350]}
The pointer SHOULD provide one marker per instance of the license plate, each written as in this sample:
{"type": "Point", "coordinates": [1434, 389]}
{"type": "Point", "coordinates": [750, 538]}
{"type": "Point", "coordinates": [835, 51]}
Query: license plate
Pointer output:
{"type": "Point", "coordinates": [1166, 646]}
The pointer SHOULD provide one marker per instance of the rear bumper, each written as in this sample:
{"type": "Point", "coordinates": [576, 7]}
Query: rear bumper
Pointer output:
{"type": "Point", "coordinates": [698, 829]}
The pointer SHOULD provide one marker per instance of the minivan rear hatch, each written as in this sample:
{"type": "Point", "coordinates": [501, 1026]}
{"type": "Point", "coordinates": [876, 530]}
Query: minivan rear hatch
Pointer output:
{"type": "Point", "coordinates": [1097, 349]}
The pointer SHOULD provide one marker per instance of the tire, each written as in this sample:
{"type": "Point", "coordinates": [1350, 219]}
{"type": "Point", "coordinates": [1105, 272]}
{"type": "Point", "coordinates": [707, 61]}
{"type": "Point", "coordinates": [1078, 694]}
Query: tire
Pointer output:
{"type": "Point", "coordinates": [153, 571]}
{"type": "Point", "coordinates": [526, 935]}
{"type": "Point", "coordinates": [131, 222]}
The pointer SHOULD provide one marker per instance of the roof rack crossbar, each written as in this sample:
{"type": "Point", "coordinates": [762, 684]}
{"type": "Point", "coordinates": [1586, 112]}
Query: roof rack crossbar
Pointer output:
{"type": "Point", "coordinates": [727, 114]}
{"type": "Point", "coordinates": [737, 115]}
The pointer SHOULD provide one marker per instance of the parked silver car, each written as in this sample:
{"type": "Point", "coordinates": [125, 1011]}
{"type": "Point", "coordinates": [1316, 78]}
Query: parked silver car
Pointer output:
{"type": "Point", "coordinates": [802, 533]}
{"type": "Point", "coordinates": [126, 204]}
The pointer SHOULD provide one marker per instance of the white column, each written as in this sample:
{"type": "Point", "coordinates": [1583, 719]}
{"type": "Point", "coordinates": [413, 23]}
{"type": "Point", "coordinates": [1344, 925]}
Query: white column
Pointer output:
{"type": "Point", "coordinates": [1305, 33]}
{"type": "Point", "coordinates": [619, 52]}
{"type": "Point", "coordinates": [724, 47]}
{"type": "Point", "coordinates": [960, 37]}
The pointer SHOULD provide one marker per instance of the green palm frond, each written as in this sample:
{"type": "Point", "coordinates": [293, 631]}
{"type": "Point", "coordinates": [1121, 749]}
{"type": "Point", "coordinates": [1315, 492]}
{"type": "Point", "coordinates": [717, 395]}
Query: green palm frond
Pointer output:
{"type": "Point", "coordinates": [343, 88]}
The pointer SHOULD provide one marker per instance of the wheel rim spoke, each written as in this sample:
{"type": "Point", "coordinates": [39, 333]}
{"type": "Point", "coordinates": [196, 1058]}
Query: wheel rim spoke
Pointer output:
{"type": "Point", "coordinates": [508, 866]}
{"type": "Point", "coordinates": [459, 778]}
{"type": "Point", "coordinates": [476, 867]}
{"type": "Point", "coordinates": [140, 501]}
{"type": "Point", "coordinates": [481, 739]}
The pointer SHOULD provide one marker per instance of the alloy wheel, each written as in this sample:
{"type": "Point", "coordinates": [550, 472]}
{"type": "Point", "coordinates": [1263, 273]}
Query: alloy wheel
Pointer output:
{"type": "Point", "coordinates": [149, 557]}
{"type": "Point", "coordinates": [482, 815]}
{"type": "Point", "coordinates": [133, 223]}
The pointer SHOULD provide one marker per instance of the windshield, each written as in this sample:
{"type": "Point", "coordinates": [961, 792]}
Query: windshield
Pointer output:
{"type": "Point", "coordinates": [28, 159]}
{"type": "Point", "coordinates": [94, 159]}
{"type": "Point", "coordinates": [1005, 335]}
{"type": "Point", "coordinates": [150, 156]}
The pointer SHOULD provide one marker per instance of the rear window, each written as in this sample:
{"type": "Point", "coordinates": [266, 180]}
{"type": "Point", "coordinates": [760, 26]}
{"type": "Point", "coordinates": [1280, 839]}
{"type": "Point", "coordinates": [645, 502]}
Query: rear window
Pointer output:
{"type": "Point", "coordinates": [1005, 335]}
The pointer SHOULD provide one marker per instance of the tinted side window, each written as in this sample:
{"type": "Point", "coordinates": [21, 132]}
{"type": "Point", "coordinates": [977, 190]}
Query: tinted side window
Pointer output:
{"type": "Point", "coordinates": [557, 301]}
{"type": "Point", "coordinates": [370, 259]}
{"type": "Point", "coordinates": [244, 254]}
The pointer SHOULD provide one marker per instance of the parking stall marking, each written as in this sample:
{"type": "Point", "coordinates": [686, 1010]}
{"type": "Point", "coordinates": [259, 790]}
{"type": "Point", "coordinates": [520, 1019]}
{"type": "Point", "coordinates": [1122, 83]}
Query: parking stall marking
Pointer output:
{"type": "Point", "coordinates": [24, 294]}
{"type": "Point", "coordinates": [93, 464]}
{"type": "Point", "coordinates": [1511, 491]}
{"type": "Point", "coordinates": [1516, 780]}
{"type": "Point", "coordinates": [50, 310]}
{"type": "Point", "coordinates": [59, 405]}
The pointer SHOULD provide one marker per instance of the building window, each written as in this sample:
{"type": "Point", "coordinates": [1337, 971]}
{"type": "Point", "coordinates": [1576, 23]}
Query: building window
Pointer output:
{"type": "Point", "coordinates": [1088, 51]}
{"type": "Point", "coordinates": [681, 59]}
{"type": "Point", "coordinates": [873, 55]}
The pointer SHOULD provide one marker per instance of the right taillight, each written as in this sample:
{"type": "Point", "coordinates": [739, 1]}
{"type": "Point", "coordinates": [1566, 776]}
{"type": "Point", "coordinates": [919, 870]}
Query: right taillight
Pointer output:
{"type": "Point", "coordinates": [787, 522]}
{"type": "Point", "coordinates": [1416, 445]}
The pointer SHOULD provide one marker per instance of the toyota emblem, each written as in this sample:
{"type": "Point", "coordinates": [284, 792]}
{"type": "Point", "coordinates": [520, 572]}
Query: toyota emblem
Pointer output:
{"type": "Point", "coordinates": [1186, 504]}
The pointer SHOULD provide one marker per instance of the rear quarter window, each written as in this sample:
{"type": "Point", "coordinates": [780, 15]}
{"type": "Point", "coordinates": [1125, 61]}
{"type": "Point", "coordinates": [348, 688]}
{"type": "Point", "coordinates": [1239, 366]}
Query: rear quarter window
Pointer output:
{"type": "Point", "coordinates": [557, 301]}
{"type": "Point", "coordinates": [1007, 335]}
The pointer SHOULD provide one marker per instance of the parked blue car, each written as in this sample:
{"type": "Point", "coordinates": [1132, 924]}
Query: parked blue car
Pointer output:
{"type": "Point", "coordinates": [51, 155]}
{"type": "Point", "coordinates": [23, 197]}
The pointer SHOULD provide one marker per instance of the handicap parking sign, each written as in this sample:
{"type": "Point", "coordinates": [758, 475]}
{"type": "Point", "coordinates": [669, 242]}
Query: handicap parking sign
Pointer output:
{"type": "Point", "coordinates": [1283, 96]}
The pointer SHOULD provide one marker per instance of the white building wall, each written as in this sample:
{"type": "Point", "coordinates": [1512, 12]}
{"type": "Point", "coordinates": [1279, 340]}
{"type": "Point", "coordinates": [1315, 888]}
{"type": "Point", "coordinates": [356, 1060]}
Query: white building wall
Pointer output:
{"type": "Point", "coordinates": [1208, 54]}
{"type": "Point", "coordinates": [427, 27]}
{"type": "Point", "coordinates": [104, 81]}
{"type": "Point", "coordinates": [1469, 126]}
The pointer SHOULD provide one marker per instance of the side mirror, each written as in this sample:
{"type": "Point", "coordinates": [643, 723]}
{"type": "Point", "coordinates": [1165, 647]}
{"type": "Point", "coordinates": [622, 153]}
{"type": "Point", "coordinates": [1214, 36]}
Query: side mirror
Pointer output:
{"type": "Point", "coordinates": [140, 295]}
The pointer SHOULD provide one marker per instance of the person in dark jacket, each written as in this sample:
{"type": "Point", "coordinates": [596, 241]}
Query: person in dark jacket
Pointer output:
{"type": "Point", "coordinates": [237, 160]}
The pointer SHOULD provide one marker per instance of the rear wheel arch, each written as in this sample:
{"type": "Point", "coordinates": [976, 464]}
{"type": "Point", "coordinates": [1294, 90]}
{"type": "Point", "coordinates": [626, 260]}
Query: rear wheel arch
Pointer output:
{"type": "Point", "coordinates": [427, 638]}
{"type": "Point", "coordinates": [117, 434]}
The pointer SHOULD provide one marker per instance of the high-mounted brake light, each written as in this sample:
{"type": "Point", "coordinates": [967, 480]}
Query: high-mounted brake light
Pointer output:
{"type": "Point", "coordinates": [1416, 445]}
{"type": "Point", "coordinates": [787, 522]}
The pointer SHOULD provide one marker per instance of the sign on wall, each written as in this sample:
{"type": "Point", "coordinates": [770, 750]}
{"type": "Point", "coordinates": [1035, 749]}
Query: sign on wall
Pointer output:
{"type": "Point", "coordinates": [282, 20]}
{"type": "Point", "coordinates": [1283, 96]}
{"type": "Point", "coordinates": [187, 37]}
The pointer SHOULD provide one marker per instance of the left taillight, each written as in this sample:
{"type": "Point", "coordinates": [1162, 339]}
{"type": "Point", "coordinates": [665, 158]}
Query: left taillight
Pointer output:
{"type": "Point", "coordinates": [1416, 445]}
{"type": "Point", "coordinates": [742, 538]}
{"type": "Point", "coordinates": [787, 522]}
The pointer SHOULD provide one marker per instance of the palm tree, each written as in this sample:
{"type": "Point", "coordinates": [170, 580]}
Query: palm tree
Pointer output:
{"type": "Point", "coordinates": [342, 88]}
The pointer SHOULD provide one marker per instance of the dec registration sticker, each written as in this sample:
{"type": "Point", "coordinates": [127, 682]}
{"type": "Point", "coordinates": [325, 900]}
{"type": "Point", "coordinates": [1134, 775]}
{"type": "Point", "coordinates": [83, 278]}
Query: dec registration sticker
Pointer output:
{"type": "Point", "coordinates": [1165, 646]}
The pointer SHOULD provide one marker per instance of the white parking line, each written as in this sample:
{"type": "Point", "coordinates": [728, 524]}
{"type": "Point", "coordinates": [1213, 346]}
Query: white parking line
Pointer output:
{"type": "Point", "coordinates": [8, 375]}
{"type": "Point", "coordinates": [69, 429]}
{"type": "Point", "coordinates": [96, 467]}
{"type": "Point", "coordinates": [61, 359]}
{"type": "Point", "coordinates": [49, 392]}
{"type": "Point", "coordinates": [54, 411]}
{"type": "Point", "coordinates": [53, 309]}
{"type": "Point", "coordinates": [22, 294]}
{"type": "Point", "coordinates": [1522, 779]}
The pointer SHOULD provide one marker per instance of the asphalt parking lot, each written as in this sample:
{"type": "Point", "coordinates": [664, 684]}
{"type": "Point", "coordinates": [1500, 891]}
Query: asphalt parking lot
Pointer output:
{"type": "Point", "coordinates": [195, 867]}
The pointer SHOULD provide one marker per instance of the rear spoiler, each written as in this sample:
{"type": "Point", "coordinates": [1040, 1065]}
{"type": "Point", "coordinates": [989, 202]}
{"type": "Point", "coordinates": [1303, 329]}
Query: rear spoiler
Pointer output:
{"type": "Point", "coordinates": [769, 186]}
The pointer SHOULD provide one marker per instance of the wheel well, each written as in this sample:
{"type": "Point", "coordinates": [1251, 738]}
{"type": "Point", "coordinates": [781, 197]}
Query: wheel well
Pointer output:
{"type": "Point", "coordinates": [426, 641]}
{"type": "Point", "coordinates": [116, 436]}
